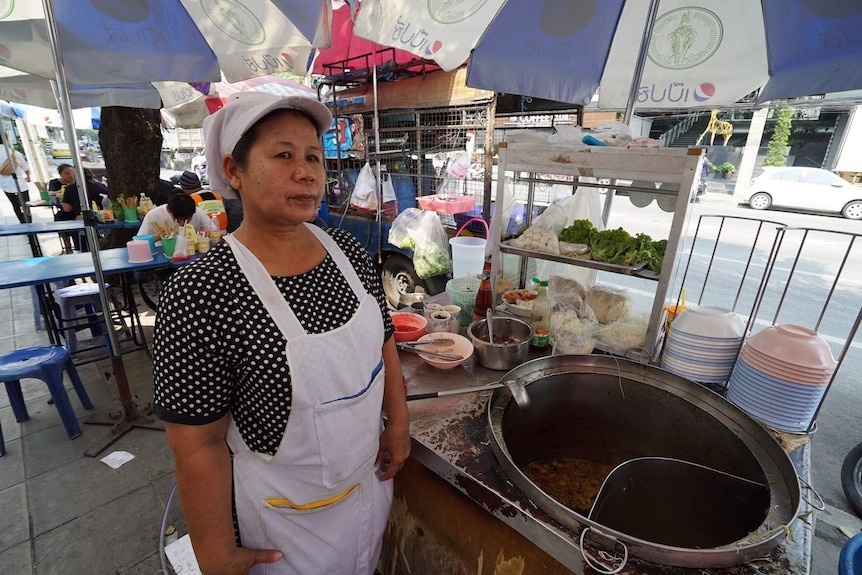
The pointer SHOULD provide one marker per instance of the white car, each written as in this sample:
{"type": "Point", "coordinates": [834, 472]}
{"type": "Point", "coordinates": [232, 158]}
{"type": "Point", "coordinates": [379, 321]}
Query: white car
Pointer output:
{"type": "Point", "coordinates": [805, 189]}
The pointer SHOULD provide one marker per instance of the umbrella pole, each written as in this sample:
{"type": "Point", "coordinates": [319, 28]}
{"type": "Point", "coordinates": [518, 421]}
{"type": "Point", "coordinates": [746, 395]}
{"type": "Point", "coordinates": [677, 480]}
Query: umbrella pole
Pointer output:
{"type": "Point", "coordinates": [129, 416]}
{"type": "Point", "coordinates": [377, 155]}
{"type": "Point", "coordinates": [633, 92]}
{"type": "Point", "coordinates": [639, 64]}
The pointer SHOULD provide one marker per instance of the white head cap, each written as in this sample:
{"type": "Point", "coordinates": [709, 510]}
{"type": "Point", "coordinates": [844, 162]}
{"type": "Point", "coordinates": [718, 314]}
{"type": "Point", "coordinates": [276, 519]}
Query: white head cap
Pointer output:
{"type": "Point", "coordinates": [223, 129]}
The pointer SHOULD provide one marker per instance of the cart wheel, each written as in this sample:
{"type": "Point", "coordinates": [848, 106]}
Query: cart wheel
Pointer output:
{"type": "Point", "coordinates": [851, 478]}
{"type": "Point", "coordinates": [398, 277]}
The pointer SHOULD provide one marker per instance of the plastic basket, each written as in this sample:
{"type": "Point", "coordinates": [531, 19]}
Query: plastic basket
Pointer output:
{"type": "Point", "coordinates": [447, 204]}
{"type": "Point", "coordinates": [462, 292]}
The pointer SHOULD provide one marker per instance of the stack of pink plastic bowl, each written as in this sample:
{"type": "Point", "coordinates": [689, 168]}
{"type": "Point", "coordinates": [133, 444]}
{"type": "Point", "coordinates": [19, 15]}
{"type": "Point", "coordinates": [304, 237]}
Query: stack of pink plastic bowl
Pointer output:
{"type": "Point", "coordinates": [702, 344]}
{"type": "Point", "coordinates": [781, 376]}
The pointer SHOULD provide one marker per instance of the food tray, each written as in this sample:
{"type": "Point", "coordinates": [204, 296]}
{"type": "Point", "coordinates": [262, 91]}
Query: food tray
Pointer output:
{"type": "Point", "coordinates": [638, 270]}
{"type": "Point", "coordinates": [446, 203]}
{"type": "Point", "coordinates": [514, 309]}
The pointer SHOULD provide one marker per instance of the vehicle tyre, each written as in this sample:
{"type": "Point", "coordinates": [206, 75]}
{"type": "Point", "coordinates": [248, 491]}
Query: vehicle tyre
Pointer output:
{"type": "Point", "coordinates": [851, 478]}
{"type": "Point", "coordinates": [760, 201]}
{"type": "Point", "coordinates": [398, 277]}
{"type": "Point", "coordinates": [853, 211]}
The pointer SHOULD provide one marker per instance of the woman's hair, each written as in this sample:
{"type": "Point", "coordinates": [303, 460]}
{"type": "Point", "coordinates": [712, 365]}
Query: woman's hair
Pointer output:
{"type": "Point", "coordinates": [247, 140]}
{"type": "Point", "coordinates": [88, 174]}
{"type": "Point", "coordinates": [62, 167]}
{"type": "Point", "coordinates": [181, 206]}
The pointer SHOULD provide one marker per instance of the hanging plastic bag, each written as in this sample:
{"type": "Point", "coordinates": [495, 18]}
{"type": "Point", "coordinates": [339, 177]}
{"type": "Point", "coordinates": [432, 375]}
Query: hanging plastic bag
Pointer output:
{"type": "Point", "coordinates": [460, 167]}
{"type": "Point", "coordinates": [404, 227]}
{"type": "Point", "coordinates": [364, 195]}
{"type": "Point", "coordinates": [390, 200]}
{"type": "Point", "coordinates": [431, 251]}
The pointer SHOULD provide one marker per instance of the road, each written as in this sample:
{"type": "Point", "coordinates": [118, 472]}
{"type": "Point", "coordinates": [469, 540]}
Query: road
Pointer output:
{"type": "Point", "coordinates": [811, 269]}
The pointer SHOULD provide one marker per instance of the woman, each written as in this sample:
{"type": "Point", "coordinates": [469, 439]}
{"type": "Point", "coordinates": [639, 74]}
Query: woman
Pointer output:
{"type": "Point", "coordinates": [276, 406]}
{"type": "Point", "coordinates": [69, 204]}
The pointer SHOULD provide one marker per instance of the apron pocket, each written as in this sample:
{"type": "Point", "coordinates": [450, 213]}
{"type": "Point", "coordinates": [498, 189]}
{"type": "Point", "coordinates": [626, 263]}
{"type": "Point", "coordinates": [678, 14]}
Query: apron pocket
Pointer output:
{"type": "Point", "coordinates": [348, 433]}
{"type": "Point", "coordinates": [321, 540]}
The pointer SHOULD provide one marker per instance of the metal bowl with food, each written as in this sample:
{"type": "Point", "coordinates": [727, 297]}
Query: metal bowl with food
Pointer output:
{"type": "Point", "coordinates": [407, 300]}
{"type": "Point", "coordinates": [510, 346]}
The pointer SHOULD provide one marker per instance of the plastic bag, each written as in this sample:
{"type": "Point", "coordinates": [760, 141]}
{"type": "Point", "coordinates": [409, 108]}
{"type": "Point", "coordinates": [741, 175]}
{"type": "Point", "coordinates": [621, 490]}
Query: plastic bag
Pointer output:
{"type": "Point", "coordinates": [609, 304]}
{"type": "Point", "coordinates": [390, 200]}
{"type": "Point", "coordinates": [612, 133]}
{"type": "Point", "coordinates": [423, 232]}
{"type": "Point", "coordinates": [585, 204]}
{"type": "Point", "coordinates": [364, 194]}
{"type": "Point", "coordinates": [538, 238]}
{"type": "Point", "coordinates": [431, 251]}
{"type": "Point", "coordinates": [460, 167]}
{"type": "Point", "coordinates": [573, 324]}
{"type": "Point", "coordinates": [624, 335]}
{"type": "Point", "coordinates": [403, 227]}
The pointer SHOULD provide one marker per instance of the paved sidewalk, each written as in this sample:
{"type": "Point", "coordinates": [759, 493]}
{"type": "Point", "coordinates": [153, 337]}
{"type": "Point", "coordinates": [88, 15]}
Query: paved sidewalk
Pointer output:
{"type": "Point", "coordinates": [62, 512]}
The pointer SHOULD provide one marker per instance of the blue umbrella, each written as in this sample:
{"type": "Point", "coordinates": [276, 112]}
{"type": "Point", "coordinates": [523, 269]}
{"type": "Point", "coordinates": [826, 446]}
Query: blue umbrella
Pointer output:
{"type": "Point", "coordinates": [107, 42]}
{"type": "Point", "coordinates": [702, 53]}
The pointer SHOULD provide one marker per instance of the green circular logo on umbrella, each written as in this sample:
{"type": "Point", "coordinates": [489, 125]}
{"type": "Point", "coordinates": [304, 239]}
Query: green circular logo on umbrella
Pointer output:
{"type": "Point", "coordinates": [235, 20]}
{"type": "Point", "coordinates": [685, 37]}
{"type": "Point", "coordinates": [6, 7]}
{"type": "Point", "coordinates": [453, 11]}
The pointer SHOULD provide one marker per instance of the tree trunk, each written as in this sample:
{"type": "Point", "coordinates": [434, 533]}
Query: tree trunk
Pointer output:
{"type": "Point", "coordinates": [131, 141]}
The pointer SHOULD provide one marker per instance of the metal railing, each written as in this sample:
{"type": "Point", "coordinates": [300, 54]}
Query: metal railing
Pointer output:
{"type": "Point", "coordinates": [679, 129]}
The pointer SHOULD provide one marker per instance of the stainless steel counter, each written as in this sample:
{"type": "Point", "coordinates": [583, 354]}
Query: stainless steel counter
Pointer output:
{"type": "Point", "coordinates": [450, 439]}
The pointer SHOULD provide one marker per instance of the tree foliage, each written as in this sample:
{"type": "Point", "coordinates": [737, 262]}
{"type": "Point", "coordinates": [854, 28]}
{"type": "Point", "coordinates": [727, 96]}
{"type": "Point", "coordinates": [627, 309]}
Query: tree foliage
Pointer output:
{"type": "Point", "coordinates": [776, 154]}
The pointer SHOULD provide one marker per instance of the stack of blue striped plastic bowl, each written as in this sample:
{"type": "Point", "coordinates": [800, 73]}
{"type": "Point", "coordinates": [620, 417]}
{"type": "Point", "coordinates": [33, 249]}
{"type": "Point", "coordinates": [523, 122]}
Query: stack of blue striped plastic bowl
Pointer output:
{"type": "Point", "coordinates": [703, 343]}
{"type": "Point", "coordinates": [781, 376]}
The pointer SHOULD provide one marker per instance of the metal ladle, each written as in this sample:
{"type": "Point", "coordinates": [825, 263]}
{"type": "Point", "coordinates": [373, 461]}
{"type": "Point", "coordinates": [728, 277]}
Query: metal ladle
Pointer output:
{"type": "Point", "coordinates": [518, 391]}
{"type": "Point", "coordinates": [489, 316]}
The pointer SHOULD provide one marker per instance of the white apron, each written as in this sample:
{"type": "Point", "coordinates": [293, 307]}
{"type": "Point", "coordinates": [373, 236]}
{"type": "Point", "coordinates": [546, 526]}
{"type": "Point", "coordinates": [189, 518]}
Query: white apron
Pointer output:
{"type": "Point", "coordinates": [318, 499]}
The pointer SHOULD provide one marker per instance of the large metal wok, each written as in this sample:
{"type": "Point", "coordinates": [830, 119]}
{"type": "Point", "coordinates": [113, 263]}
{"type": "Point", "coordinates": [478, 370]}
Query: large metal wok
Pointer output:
{"type": "Point", "coordinates": [597, 412]}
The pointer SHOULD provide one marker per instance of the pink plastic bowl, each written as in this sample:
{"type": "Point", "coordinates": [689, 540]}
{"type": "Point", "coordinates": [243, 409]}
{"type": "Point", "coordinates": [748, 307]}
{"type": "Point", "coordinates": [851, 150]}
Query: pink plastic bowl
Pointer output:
{"type": "Point", "coordinates": [793, 345]}
{"type": "Point", "coordinates": [408, 326]}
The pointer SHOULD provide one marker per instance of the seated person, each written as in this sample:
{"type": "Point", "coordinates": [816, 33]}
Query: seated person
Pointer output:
{"type": "Point", "coordinates": [210, 202]}
{"type": "Point", "coordinates": [68, 204]}
{"type": "Point", "coordinates": [166, 188]}
{"type": "Point", "coordinates": [71, 203]}
{"type": "Point", "coordinates": [179, 210]}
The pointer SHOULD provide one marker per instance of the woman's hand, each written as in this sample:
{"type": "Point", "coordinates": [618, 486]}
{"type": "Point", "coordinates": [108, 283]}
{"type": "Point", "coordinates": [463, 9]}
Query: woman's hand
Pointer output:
{"type": "Point", "coordinates": [239, 562]}
{"type": "Point", "coordinates": [395, 439]}
{"type": "Point", "coordinates": [394, 450]}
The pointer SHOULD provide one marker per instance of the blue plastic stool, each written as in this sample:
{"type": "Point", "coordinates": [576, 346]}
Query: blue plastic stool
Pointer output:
{"type": "Point", "coordinates": [46, 363]}
{"type": "Point", "coordinates": [850, 560]}
{"type": "Point", "coordinates": [80, 297]}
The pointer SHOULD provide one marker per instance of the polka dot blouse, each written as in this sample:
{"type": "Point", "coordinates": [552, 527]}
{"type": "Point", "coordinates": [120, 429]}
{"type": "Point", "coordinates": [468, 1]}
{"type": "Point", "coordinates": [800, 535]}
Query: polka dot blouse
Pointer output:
{"type": "Point", "coordinates": [218, 351]}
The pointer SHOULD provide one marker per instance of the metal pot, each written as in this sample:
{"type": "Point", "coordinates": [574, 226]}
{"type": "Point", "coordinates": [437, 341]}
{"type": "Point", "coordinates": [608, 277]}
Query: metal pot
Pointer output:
{"type": "Point", "coordinates": [595, 412]}
{"type": "Point", "coordinates": [501, 356]}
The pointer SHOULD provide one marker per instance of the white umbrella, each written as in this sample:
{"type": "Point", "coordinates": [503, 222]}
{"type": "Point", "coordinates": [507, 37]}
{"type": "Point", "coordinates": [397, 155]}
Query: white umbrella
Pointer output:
{"type": "Point", "coordinates": [214, 97]}
{"type": "Point", "coordinates": [24, 88]}
{"type": "Point", "coordinates": [701, 53]}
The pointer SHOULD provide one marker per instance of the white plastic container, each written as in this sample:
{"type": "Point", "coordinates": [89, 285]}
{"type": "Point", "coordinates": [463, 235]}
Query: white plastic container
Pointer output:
{"type": "Point", "coordinates": [468, 256]}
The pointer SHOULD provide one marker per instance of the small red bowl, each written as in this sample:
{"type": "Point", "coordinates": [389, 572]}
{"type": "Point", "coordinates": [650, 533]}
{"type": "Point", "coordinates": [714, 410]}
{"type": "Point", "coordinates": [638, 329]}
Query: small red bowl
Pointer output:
{"type": "Point", "coordinates": [408, 326]}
